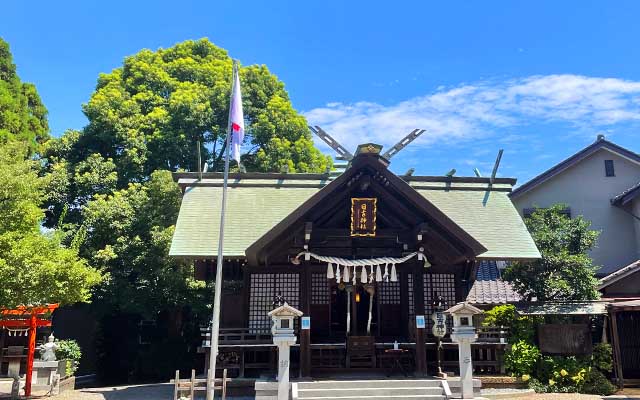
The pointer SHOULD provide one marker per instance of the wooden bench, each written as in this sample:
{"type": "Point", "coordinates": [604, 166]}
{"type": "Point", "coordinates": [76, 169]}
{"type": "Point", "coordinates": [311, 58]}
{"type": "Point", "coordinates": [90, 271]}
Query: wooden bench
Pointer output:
{"type": "Point", "coordinates": [361, 352]}
{"type": "Point", "coordinates": [193, 385]}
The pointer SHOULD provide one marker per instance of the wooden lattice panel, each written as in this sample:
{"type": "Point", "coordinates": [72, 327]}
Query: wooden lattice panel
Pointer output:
{"type": "Point", "coordinates": [262, 293]}
{"type": "Point", "coordinates": [260, 301]}
{"type": "Point", "coordinates": [439, 284]}
{"type": "Point", "coordinates": [411, 296]}
{"type": "Point", "coordinates": [289, 286]}
{"type": "Point", "coordinates": [389, 292]}
{"type": "Point", "coordinates": [319, 289]}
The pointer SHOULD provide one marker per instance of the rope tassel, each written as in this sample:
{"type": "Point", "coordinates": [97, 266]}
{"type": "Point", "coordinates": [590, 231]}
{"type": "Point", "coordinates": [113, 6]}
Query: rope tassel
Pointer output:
{"type": "Point", "coordinates": [345, 276]}
{"type": "Point", "coordinates": [337, 273]}
{"type": "Point", "coordinates": [363, 275]}
{"type": "Point", "coordinates": [330, 271]}
{"type": "Point", "coordinates": [386, 273]}
{"type": "Point", "coordinates": [378, 273]}
{"type": "Point", "coordinates": [394, 274]}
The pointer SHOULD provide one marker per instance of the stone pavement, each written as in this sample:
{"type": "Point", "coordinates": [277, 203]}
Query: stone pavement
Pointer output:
{"type": "Point", "coordinates": [165, 392]}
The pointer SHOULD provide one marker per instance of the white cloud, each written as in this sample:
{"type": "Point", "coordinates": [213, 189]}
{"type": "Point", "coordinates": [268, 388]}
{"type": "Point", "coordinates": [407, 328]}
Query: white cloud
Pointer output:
{"type": "Point", "coordinates": [472, 111]}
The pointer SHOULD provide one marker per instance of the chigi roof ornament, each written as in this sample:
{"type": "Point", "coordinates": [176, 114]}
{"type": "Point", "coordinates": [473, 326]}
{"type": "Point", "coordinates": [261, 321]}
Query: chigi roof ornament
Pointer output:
{"type": "Point", "coordinates": [344, 154]}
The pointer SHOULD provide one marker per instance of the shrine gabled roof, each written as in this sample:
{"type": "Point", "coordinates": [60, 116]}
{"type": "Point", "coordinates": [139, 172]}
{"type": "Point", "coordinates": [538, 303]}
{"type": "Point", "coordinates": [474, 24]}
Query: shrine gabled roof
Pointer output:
{"type": "Point", "coordinates": [257, 202]}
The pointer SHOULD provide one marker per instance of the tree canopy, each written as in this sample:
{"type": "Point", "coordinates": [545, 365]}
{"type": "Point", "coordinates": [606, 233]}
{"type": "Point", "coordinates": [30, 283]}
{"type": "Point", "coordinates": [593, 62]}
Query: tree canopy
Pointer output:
{"type": "Point", "coordinates": [23, 117]}
{"type": "Point", "coordinates": [35, 268]}
{"type": "Point", "coordinates": [149, 114]}
{"type": "Point", "coordinates": [128, 233]}
{"type": "Point", "coordinates": [565, 271]}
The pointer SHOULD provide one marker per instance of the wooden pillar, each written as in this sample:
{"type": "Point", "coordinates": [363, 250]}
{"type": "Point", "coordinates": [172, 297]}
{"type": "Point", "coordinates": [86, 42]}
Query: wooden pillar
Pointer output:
{"type": "Point", "coordinates": [616, 348]}
{"type": "Point", "coordinates": [421, 354]}
{"type": "Point", "coordinates": [30, 354]}
{"type": "Point", "coordinates": [418, 291]}
{"type": "Point", "coordinates": [2, 336]}
{"type": "Point", "coordinates": [305, 353]}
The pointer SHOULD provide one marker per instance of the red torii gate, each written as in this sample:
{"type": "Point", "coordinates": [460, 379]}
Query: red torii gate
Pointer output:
{"type": "Point", "coordinates": [30, 317]}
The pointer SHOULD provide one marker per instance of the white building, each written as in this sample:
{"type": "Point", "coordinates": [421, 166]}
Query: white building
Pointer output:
{"type": "Point", "coordinates": [602, 183]}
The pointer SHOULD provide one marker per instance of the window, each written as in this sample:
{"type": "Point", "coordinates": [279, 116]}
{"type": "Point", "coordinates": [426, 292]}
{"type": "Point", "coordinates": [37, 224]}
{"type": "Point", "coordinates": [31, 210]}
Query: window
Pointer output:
{"type": "Point", "coordinates": [526, 212]}
{"type": "Point", "coordinates": [608, 168]}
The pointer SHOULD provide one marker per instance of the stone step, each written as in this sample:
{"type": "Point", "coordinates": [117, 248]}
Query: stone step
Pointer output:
{"type": "Point", "coordinates": [355, 391]}
{"type": "Point", "coordinates": [381, 383]}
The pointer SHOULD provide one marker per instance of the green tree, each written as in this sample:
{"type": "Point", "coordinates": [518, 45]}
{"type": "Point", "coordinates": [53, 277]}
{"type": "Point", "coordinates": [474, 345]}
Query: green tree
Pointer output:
{"type": "Point", "coordinates": [128, 234]}
{"type": "Point", "coordinates": [35, 267]}
{"type": "Point", "coordinates": [565, 271]}
{"type": "Point", "coordinates": [149, 114]}
{"type": "Point", "coordinates": [23, 117]}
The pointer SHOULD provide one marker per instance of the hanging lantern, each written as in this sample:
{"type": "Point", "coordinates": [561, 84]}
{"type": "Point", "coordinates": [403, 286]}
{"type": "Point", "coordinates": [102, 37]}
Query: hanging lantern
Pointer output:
{"type": "Point", "coordinates": [329, 271]}
{"type": "Point", "coordinates": [378, 273]}
{"type": "Point", "coordinates": [338, 273]}
{"type": "Point", "coordinates": [357, 297]}
{"type": "Point", "coordinates": [345, 276]}
{"type": "Point", "coordinates": [394, 274]}
{"type": "Point", "coordinates": [363, 275]}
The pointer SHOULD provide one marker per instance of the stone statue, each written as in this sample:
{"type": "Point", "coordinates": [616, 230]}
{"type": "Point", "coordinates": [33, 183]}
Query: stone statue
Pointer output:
{"type": "Point", "coordinates": [48, 350]}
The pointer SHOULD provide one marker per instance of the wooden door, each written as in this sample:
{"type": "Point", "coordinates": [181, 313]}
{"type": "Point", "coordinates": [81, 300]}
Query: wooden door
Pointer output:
{"type": "Point", "coordinates": [629, 334]}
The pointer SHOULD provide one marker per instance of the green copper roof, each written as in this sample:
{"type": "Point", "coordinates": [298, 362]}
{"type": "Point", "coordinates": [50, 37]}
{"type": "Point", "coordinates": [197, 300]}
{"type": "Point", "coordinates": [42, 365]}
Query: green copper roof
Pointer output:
{"type": "Point", "coordinates": [255, 205]}
{"type": "Point", "coordinates": [492, 221]}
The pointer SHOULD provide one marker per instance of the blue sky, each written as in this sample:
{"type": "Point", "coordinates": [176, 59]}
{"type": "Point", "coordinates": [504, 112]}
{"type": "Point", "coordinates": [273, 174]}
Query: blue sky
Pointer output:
{"type": "Point", "coordinates": [539, 79]}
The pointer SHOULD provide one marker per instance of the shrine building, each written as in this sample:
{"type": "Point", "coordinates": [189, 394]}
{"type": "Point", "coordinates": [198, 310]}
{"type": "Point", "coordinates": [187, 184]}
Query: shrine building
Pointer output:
{"type": "Point", "coordinates": [362, 253]}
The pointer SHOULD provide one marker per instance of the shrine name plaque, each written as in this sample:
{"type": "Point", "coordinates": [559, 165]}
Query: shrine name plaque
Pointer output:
{"type": "Point", "coordinates": [363, 216]}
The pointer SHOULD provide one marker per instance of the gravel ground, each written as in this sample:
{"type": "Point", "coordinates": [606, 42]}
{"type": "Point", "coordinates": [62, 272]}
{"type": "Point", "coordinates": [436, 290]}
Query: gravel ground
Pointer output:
{"type": "Point", "coordinates": [135, 392]}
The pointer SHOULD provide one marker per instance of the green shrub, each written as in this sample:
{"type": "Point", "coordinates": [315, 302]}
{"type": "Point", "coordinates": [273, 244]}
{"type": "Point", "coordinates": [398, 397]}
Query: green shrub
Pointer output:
{"type": "Point", "coordinates": [521, 328]}
{"type": "Point", "coordinates": [502, 315]}
{"type": "Point", "coordinates": [69, 350]}
{"type": "Point", "coordinates": [602, 357]}
{"type": "Point", "coordinates": [596, 383]}
{"type": "Point", "coordinates": [521, 358]}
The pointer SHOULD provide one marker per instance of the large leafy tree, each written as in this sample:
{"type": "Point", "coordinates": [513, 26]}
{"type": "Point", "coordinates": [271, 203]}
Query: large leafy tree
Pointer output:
{"type": "Point", "coordinates": [35, 267]}
{"type": "Point", "coordinates": [23, 117]}
{"type": "Point", "coordinates": [128, 233]}
{"type": "Point", "coordinates": [150, 113]}
{"type": "Point", "coordinates": [565, 271]}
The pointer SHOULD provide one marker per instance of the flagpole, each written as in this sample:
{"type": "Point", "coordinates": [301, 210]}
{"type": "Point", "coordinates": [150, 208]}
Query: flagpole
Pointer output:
{"type": "Point", "coordinates": [215, 319]}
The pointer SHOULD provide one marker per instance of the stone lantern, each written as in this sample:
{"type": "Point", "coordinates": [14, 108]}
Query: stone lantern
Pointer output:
{"type": "Point", "coordinates": [464, 334]}
{"type": "Point", "coordinates": [283, 337]}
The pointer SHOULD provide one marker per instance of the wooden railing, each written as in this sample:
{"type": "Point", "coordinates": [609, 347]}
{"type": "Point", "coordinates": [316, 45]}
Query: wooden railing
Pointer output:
{"type": "Point", "coordinates": [241, 349]}
{"type": "Point", "coordinates": [493, 334]}
{"type": "Point", "coordinates": [235, 336]}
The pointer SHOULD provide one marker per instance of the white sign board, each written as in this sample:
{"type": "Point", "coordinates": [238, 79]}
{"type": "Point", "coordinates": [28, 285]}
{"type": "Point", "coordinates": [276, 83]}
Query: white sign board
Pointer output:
{"type": "Point", "coordinates": [439, 324]}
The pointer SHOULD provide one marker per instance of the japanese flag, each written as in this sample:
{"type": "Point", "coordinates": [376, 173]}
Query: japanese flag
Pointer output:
{"type": "Point", "coordinates": [236, 117]}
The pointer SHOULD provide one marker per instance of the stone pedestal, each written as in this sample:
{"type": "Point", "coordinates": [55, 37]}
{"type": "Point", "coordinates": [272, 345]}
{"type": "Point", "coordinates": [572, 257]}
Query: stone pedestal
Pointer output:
{"type": "Point", "coordinates": [284, 354]}
{"type": "Point", "coordinates": [45, 376]}
{"type": "Point", "coordinates": [464, 334]}
{"type": "Point", "coordinates": [466, 367]}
